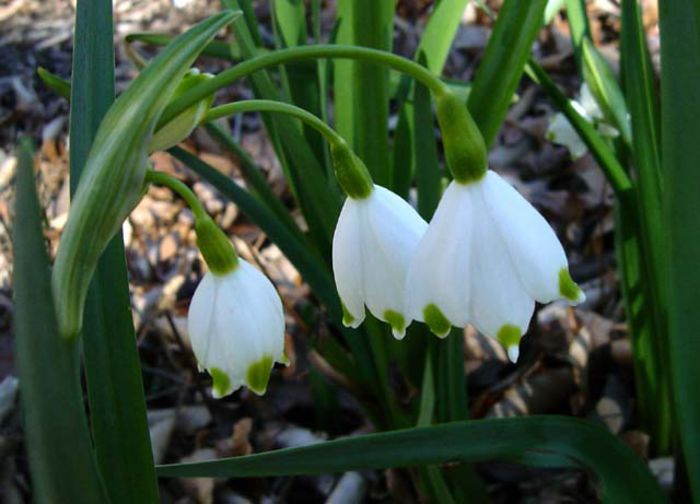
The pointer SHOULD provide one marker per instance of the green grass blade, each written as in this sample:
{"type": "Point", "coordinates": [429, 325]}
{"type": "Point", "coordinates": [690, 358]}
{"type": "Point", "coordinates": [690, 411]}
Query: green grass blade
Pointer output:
{"type": "Point", "coordinates": [680, 96]}
{"type": "Point", "coordinates": [642, 100]}
{"type": "Point", "coordinates": [302, 78]}
{"type": "Point", "coordinates": [56, 84]}
{"type": "Point", "coordinates": [317, 196]}
{"type": "Point", "coordinates": [290, 20]}
{"type": "Point", "coordinates": [469, 441]}
{"type": "Point", "coordinates": [603, 154]}
{"type": "Point", "coordinates": [215, 48]}
{"type": "Point", "coordinates": [604, 87]}
{"type": "Point", "coordinates": [370, 24]}
{"type": "Point", "coordinates": [440, 31]}
{"type": "Point", "coordinates": [428, 175]}
{"type": "Point", "coordinates": [580, 27]}
{"type": "Point", "coordinates": [501, 67]}
{"type": "Point", "coordinates": [115, 390]}
{"type": "Point", "coordinates": [62, 462]}
{"type": "Point", "coordinates": [643, 105]}
{"type": "Point", "coordinates": [254, 178]}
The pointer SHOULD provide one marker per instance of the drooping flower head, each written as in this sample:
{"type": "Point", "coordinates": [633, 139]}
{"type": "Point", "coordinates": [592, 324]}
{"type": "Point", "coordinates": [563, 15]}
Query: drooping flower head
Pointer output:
{"type": "Point", "coordinates": [235, 321]}
{"type": "Point", "coordinates": [373, 244]}
{"type": "Point", "coordinates": [374, 241]}
{"type": "Point", "coordinates": [487, 255]}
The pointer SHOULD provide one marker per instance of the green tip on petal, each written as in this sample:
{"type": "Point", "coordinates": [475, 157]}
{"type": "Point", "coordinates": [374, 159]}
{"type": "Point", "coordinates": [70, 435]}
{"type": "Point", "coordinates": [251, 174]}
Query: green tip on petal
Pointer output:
{"type": "Point", "coordinates": [568, 288]}
{"type": "Point", "coordinates": [258, 375]}
{"type": "Point", "coordinates": [348, 318]}
{"type": "Point", "coordinates": [436, 320]}
{"type": "Point", "coordinates": [509, 335]}
{"type": "Point", "coordinates": [222, 383]}
{"type": "Point", "coordinates": [397, 323]}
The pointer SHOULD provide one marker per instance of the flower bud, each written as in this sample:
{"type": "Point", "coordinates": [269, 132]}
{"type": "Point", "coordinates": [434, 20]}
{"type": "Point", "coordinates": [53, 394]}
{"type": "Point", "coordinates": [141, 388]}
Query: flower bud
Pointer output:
{"type": "Point", "coordinates": [462, 141]}
{"type": "Point", "coordinates": [176, 130]}
{"type": "Point", "coordinates": [350, 171]}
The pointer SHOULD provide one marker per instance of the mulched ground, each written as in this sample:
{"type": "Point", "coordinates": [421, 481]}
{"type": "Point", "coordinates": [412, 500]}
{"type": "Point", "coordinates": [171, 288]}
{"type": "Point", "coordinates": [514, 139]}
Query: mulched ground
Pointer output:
{"type": "Point", "coordinates": [575, 362]}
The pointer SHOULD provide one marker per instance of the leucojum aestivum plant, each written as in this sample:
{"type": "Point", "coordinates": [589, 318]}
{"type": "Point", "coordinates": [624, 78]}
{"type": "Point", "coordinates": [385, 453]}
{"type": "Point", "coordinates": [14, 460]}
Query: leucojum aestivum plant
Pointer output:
{"type": "Point", "coordinates": [469, 251]}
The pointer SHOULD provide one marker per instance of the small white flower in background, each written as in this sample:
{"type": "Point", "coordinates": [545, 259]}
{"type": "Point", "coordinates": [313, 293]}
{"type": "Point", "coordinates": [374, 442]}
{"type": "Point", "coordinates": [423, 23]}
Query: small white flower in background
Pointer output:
{"type": "Point", "coordinates": [236, 328]}
{"type": "Point", "coordinates": [485, 259]}
{"type": "Point", "coordinates": [561, 132]}
{"type": "Point", "coordinates": [373, 245]}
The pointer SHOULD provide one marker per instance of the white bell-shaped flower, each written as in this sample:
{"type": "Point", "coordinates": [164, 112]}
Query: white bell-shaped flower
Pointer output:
{"type": "Point", "coordinates": [373, 244]}
{"type": "Point", "coordinates": [236, 327]}
{"type": "Point", "coordinates": [561, 131]}
{"type": "Point", "coordinates": [485, 259]}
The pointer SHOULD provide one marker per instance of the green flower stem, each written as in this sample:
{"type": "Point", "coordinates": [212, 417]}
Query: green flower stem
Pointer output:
{"type": "Point", "coordinates": [211, 240]}
{"type": "Point", "coordinates": [295, 54]}
{"type": "Point", "coordinates": [160, 178]}
{"type": "Point", "coordinates": [350, 171]}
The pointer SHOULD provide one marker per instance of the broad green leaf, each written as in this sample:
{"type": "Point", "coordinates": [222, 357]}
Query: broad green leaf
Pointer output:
{"type": "Point", "coordinates": [680, 98]}
{"type": "Point", "coordinates": [471, 441]}
{"type": "Point", "coordinates": [112, 367]}
{"type": "Point", "coordinates": [501, 67]}
{"type": "Point", "coordinates": [61, 459]}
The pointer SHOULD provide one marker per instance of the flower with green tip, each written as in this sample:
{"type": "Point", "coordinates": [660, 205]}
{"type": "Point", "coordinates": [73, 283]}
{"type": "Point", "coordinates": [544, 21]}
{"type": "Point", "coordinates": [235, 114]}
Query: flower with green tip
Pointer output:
{"type": "Point", "coordinates": [485, 259]}
{"type": "Point", "coordinates": [373, 245]}
{"type": "Point", "coordinates": [236, 328]}
{"type": "Point", "coordinates": [560, 130]}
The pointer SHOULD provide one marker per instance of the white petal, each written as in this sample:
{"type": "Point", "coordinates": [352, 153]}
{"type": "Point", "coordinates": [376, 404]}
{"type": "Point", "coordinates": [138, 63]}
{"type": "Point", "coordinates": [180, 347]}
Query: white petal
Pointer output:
{"type": "Point", "coordinates": [589, 103]}
{"type": "Point", "coordinates": [500, 305]}
{"type": "Point", "coordinates": [533, 246]}
{"type": "Point", "coordinates": [390, 234]}
{"type": "Point", "coordinates": [347, 262]}
{"type": "Point", "coordinates": [439, 272]}
{"type": "Point", "coordinates": [236, 321]}
{"type": "Point", "coordinates": [561, 132]}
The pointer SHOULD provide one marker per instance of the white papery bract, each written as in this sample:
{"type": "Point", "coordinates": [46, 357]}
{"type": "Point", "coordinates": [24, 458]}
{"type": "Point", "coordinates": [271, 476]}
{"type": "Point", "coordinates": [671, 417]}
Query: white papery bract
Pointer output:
{"type": "Point", "coordinates": [236, 328]}
{"type": "Point", "coordinates": [373, 245]}
{"type": "Point", "coordinates": [485, 259]}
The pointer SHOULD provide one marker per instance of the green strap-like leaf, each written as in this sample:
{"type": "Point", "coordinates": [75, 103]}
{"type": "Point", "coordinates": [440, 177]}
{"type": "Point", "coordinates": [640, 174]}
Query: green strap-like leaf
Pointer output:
{"type": "Point", "coordinates": [651, 344]}
{"type": "Point", "coordinates": [439, 33]}
{"type": "Point", "coordinates": [680, 97]}
{"type": "Point", "coordinates": [502, 65]}
{"type": "Point", "coordinates": [361, 91]}
{"type": "Point", "coordinates": [624, 477]}
{"type": "Point", "coordinates": [112, 367]}
{"type": "Point", "coordinates": [603, 154]}
{"type": "Point", "coordinates": [62, 462]}
{"type": "Point", "coordinates": [605, 89]}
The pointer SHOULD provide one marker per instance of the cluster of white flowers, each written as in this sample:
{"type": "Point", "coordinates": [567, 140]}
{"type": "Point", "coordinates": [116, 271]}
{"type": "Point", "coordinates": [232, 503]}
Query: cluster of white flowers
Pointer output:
{"type": "Point", "coordinates": [485, 258]}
